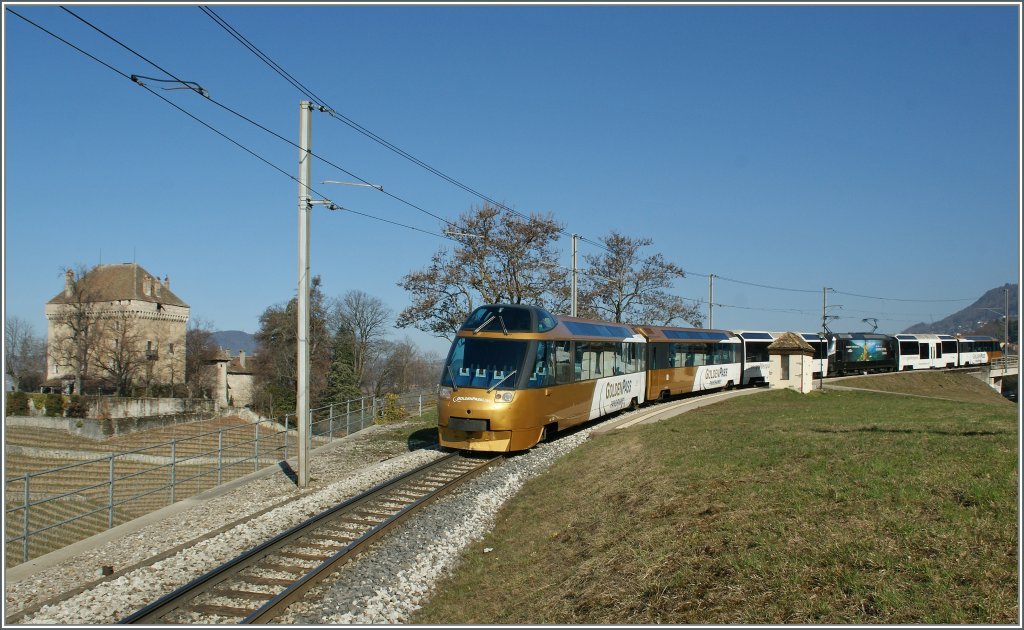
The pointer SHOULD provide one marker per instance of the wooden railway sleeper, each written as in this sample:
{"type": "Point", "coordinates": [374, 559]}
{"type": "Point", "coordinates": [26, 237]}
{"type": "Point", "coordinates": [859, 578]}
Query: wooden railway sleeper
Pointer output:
{"type": "Point", "coordinates": [301, 556]}
{"type": "Point", "coordinates": [223, 611]}
{"type": "Point", "coordinates": [283, 568]}
{"type": "Point", "coordinates": [240, 594]}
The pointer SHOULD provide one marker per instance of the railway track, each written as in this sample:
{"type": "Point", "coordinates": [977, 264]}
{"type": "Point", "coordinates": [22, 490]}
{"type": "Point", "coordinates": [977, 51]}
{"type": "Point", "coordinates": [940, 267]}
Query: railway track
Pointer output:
{"type": "Point", "coordinates": [261, 583]}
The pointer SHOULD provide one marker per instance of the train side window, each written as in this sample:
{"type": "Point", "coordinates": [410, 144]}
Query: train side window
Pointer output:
{"type": "Point", "coordinates": [949, 347]}
{"type": "Point", "coordinates": [586, 359]}
{"type": "Point", "coordinates": [924, 351]}
{"type": "Point", "coordinates": [909, 347]}
{"type": "Point", "coordinates": [563, 362]}
{"type": "Point", "coordinates": [542, 374]}
{"type": "Point", "coordinates": [756, 351]}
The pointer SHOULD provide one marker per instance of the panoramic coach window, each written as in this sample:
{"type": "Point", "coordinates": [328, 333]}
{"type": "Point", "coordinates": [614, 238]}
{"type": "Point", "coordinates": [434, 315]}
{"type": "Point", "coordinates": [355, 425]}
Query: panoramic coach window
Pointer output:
{"type": "Point", "coordinates": [543, 373]}
{"type": "Point", "coordinates": [908, 347]}
{"type": "Point", "coordinates": [552, 364]}
{"type": "Point", "coordinates": [757, 352]}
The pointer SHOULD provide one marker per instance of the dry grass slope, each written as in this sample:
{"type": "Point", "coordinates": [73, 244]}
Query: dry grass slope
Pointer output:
{"type": "Point", "coordinates": [834, 508]}
{"type": "Point", "coordinates": [942, 384]}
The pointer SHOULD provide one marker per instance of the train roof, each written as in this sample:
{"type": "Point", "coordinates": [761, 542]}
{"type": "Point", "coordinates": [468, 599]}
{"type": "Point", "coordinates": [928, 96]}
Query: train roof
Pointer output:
{"type": "Point", "coordinates": [674, 333]}
{"type": "Point", "coordinates": [519, 319]}
{"type": "Point", "coordinates": [759, 335]}
{"type": "Point", "coordinates": [975, 338]}
{"type": "Point", "coordinates": [756, 335]}
{"type": "Point", "coordinates": [861, 336]}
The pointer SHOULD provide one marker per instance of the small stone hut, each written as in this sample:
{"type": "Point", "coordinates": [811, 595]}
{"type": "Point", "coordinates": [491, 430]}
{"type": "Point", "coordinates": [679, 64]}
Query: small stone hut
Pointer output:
{"type": "Point", "coordinates": [791, 363]}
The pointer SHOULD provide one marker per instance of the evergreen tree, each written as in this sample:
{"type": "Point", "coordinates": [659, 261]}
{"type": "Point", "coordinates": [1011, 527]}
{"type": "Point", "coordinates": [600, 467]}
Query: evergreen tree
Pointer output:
{"type": "Point", "coordinates": [342, 380]}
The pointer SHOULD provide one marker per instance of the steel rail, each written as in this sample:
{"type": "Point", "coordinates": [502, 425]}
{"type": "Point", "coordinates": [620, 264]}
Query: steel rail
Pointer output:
{"type": "Point", "coordinates": [276, 604]}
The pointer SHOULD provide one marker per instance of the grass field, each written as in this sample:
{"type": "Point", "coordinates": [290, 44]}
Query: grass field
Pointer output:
{"type": "Point", "coordinates": [832, 508]}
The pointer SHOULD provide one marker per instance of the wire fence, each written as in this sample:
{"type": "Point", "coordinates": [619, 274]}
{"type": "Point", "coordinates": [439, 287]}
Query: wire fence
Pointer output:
{"type": "Point", "coordinates": [60, 505]}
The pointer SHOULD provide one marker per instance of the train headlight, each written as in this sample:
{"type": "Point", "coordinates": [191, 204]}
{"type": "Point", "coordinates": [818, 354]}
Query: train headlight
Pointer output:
{"type": "Point", "coordinates": [503, 397]}
{"type": "Point", "coordinates": [445, 393]}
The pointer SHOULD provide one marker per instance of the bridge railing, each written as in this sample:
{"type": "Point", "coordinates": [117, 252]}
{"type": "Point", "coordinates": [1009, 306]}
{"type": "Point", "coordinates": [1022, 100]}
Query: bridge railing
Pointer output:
{"type": "Point", "coordinates": [1005, 364]}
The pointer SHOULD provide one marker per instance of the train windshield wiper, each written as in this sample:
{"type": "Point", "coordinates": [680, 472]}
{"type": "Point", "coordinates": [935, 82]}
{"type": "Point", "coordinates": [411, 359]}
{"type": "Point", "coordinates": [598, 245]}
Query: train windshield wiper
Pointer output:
{"type": "Point", "coordinates": [501, 320]}
{"type": "Point", "coordinates": [507, 376]}
{"type": "Point", "coordinates": [452, 374]}
{"type": "Point", "coordinates": [481, 326]}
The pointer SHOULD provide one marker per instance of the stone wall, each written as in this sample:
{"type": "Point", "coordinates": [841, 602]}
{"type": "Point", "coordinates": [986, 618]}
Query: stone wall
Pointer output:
{"type": "Point", "coordinates": [99, 429]}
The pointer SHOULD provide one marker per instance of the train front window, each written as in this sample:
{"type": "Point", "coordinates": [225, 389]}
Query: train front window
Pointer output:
{"type": "Point", "coordinates": [499, 319]}
{"type": "Point", "coordinates": [483, 363]}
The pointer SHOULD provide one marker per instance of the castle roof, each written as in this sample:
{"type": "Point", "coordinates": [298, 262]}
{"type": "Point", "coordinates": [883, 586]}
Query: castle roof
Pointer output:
{"type": "Point", "coordinates": [124, 281]}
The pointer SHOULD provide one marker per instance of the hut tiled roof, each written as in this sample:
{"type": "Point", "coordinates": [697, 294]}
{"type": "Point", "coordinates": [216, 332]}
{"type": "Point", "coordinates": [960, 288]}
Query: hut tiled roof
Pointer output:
{"type": "Point", "coordinates": [125, 281]}
{"type": "Point", "coordinates": [790, 343]}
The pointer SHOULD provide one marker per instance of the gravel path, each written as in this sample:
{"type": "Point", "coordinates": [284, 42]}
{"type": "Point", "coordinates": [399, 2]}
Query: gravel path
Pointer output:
{"type": "Point", "coordinates": [382, 586]}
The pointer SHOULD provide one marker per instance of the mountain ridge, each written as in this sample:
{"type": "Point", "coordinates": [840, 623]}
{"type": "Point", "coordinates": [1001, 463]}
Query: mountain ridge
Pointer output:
{"type": "Point", "coordinates": [988, 308]}
{"type": "Point", "coordinates": [235, 340]}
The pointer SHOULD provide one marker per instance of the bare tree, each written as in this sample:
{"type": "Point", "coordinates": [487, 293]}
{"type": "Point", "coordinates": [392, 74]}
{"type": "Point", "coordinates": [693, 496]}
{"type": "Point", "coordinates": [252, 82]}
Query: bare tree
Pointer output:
{"type": "Point", "coordinates": [24, 354]}
{"type": "Point", "coordinates": [498, 258]}
{"type": "Point", "coordinates": [117, 355]}
{"type": "Point", "coordinates": [75, 324]}
{"type": "Point", "coordinates": [366, 319]}
{"type": "Point", "coordinates": [623, 286]}
{"type": "Point", "coordinates": [200, 350]}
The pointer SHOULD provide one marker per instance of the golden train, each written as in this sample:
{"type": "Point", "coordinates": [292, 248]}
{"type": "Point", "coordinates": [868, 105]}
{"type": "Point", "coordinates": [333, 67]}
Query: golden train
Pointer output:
{"type": "Point", "coordinates": [516, 374]}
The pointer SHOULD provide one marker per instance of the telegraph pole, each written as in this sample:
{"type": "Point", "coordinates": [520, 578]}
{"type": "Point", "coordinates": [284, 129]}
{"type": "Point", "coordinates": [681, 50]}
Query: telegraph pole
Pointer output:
{"type": "Point", "coordinates": [573, 309]}
{"type": "Point", "coordinates": [711, 300]}
{"type": "Point", "coordinates": [305, 205]}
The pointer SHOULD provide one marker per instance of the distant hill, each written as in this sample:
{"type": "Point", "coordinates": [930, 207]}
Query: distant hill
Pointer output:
{"type": "Point", "coordinates": [235, 340]}
{"type": "Point", "coordinates": [975, 317]}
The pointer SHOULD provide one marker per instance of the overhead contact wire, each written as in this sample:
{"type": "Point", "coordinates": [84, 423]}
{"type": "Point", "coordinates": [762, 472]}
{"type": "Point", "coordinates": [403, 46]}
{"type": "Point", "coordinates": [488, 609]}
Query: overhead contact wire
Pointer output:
{"type": "Point", "coordinates": [209, 126]}
{"type": "Point", "coordinates": [249, 120]}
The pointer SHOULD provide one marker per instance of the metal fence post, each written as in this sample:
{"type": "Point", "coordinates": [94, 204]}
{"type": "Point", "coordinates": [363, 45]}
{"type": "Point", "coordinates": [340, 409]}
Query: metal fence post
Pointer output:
{"type": "Point", "coordinates": [27, 501]}
{"type": "Point", "coordinates": [256, 464]}
{"type": "Point", "coordinates": [420, 397]}
{"type": "Point", "coordinates": [110, 495]}
{"type": "Point", "coordinates": [286, 436]}
{"type": "Point", "coordinates": [220, 455]}
{"type": "Point", "coordinates": [362, 410]}
{"type": "Point", "coordinates": [174, 457]}
{"type": "Point", "coordinates": [330, 427]}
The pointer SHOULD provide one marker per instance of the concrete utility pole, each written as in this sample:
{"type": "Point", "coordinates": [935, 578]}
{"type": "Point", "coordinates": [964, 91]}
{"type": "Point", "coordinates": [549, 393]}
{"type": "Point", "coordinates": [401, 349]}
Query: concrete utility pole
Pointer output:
{"type": "Point", "coordinates": [711, 300]}
{"type": "Point", "coordinates": [1006, 321]}
{"type": "Point", "coordinates": [574, 237]}
{"type": "Point", "coordinates": [824, 338]}
{"type": "Point", "coordinates": [305, 205]}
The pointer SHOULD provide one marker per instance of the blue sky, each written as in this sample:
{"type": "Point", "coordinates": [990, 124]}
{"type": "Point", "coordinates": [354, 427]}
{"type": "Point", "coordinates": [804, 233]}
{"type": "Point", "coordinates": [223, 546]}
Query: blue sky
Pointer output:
{"type": "Point", "coordinates": [882, 143]}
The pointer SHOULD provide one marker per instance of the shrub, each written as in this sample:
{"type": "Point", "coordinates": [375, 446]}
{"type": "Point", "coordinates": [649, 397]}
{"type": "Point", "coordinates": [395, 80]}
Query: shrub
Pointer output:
{"type": "Point", "coordinates": [38, 401]}
{"type": "Point", "coordinates": [392, 411]}
{"type": "Point", "coordinates": [77, 408]}
{"type": "Point", "coordinates": [54, 404]}
{"type": "Point", "coordinates": [17, 404]}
